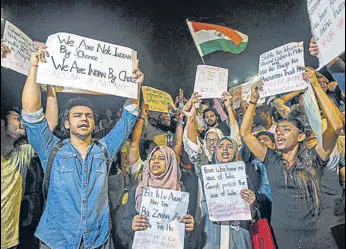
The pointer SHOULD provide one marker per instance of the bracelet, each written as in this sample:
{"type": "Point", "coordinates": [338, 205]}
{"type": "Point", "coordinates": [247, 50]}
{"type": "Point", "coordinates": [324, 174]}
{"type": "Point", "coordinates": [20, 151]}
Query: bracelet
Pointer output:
{"type": "Point", "coordinates": [180, 122]}
{"type": "Point", "coordinates": [142, 118]}
{"type": "Point", "coordinates": [34, 65]}
{"type": "Point", "coordinates": [252, 102]}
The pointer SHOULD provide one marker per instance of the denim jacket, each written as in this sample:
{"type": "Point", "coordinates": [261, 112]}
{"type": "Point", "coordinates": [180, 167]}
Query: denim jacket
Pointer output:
{"type": "Point", "coordinates": [77, 204]}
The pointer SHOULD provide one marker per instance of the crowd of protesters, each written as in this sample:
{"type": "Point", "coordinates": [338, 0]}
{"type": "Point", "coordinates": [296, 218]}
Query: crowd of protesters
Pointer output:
{"type": "Point", "coordinates": [75, 179]}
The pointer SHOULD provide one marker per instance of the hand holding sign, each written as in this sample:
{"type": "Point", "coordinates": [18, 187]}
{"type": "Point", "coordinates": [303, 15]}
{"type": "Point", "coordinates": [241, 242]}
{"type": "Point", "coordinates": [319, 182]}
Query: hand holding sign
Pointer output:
{"type": "Point", "coordinates": [310, 76]}
{"type": "Point", "coordinates": [313, 48]}
{"type": "Point", "coordinates": [256, 87]}
{"type": "Point", "coordinates": [248, 196]}
{"type": "Point", "coordinates": [227, 99]}
{"type": "Point", "coordinates": [5, 50]}
{"type": "Point", "coordinates": [39, 56]}
{"type": "Point", "coordinates": [189, 222]}
{"type": "Point", "coordinates": [140, 223]}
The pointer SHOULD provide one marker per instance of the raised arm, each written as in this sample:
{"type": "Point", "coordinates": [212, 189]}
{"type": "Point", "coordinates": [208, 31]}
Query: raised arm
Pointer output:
{"type": "Point", "coordinates": [233, 124]}
{"type": "Point", "coordinates": [334, 122]}
{"type": "Point", "coordinates": [31, 96]}
{"type": "Point", "coordinates": [280, 103]}
{"type": "Point", "coordinates": [134, 153]}
{"type": "Point", "coordinates": [179, 135]}
{"type": "Point", "coordinates": [52, 109]}
{"type": "Point", "coordinates": [191, 123]}
{"type": "Point", "coordinates": [246, 126]}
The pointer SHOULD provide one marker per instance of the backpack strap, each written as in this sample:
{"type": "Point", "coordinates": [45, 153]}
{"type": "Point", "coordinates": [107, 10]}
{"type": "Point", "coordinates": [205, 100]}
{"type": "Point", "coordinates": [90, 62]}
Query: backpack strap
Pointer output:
{"type": "Point", "coordinates": [52, 155]}
{"type": "Point", "coordinates": [46, 177]}
{"type": "Point", "coordinates": [109, 161]}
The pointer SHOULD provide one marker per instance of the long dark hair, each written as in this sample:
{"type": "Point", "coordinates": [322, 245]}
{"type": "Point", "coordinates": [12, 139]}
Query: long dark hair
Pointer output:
{"type": "Point", "coordinates": [305, 174]}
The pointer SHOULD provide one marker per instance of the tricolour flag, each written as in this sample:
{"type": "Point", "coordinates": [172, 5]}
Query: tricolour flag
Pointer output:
{"type": "Point", "coordinates": [210, 38]}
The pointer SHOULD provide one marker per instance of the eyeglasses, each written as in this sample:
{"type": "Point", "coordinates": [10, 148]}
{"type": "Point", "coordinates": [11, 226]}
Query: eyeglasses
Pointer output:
{"type": "Point", "coordinates": [209, 140]}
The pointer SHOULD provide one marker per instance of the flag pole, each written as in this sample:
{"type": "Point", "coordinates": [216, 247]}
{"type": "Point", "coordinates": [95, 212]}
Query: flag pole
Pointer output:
{"type": "Point", "coordinates": [198, 48]}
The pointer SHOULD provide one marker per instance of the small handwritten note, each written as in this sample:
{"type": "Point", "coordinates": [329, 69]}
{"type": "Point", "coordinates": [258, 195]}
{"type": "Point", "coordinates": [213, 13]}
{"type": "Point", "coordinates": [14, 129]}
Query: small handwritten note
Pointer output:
{"type": "Point", "coordinates": [211, 82]}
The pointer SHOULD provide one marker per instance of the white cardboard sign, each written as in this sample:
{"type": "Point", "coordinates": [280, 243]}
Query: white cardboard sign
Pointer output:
{"type": "Point", "coordinates": [79, 62]}
{"type": "Point", "coordinates": [163, 208]}
{"type": "Point", "coordinates": [211, 82]}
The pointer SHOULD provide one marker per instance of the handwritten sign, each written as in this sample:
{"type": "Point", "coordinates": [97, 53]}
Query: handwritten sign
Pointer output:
{"type": "Point", "coordinates": [21, 47]}
{"type": "Point", "coordinates": [211, 82]}
{"type": "Point", "coordinates": [61, 89]}
{"type": "Point", "coordinates": [327, 19]}
{"type": "Point", "coordinates": [87, 64]}
{"type": "Point", "coordinates": [222, 184]}
{"type": "Point", "coordinates": [163, 208]}
{"type": "Point", "coordinates": [156, 99]}
{"type": "Point", "coordinates": [243, 93]}
{"type": "Point", "coordinates": [313, 113]}
{"type": "Point", "coordinates": [278, 69]}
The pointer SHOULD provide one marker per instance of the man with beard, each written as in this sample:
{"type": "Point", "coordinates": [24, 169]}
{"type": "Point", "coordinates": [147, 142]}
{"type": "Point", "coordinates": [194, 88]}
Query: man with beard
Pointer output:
{"type": "Point", "coordinates": [264, 118]}
{"type": "Point", "coordinates": [212, 120]}
{"type": "Point", "coordinates": [16, 157]}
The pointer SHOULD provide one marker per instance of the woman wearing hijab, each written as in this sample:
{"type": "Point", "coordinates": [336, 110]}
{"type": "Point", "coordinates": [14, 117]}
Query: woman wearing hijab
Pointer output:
{"type": "Point", "coordinates": [235, 233]}
{"type": "Point", "coordinates": [161, 171]}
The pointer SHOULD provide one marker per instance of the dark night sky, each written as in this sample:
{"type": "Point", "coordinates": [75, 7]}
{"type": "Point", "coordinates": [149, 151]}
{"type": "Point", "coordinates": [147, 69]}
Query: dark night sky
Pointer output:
{"type": "Point", "coordinates": [157, 30]}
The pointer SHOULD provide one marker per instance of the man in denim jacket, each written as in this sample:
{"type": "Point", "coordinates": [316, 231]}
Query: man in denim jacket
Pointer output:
{"type": "Point", "coordinates": [77, 212]}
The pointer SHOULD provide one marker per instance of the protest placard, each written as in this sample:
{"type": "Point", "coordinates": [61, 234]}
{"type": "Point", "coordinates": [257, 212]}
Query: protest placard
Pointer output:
{"type": "Point", "coordinates": [163, 208]}
{"type": "Point", "coordinates": [211, 82]}
{"type": "Point", "coordinates": [156, 99]}
{"type": "Point", "coordinates": [21, 47]}
{"type": "Point", "coordinates": [313, 113]}
{"type": "Point", "coordinates": [327, 19]}
{"type": "Point", "coordinates": [243, 93]}
{"type": "Point", "coordinates": [79, 62]}
{"type": "Point", "coordinates": [278, 69]}
{"type": "Point", "coordinates": [222, 184]}
{"type": "Point", "coordinates": [61, 89]}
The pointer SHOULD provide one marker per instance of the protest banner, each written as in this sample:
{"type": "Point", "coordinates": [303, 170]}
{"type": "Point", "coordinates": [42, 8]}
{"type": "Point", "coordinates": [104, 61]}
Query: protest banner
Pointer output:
{"type": "Point", "coordinates": [222, 184]}
{"type": "Point", "coordinates": [87, 64]}
{"type": "Point", "coordinates": [313, 113]}
{"type": "Point", "coordinates": [163, 208]}
{"type": "Point", "coordinates": [243, 93]}
{"type": "Point", "coordinates": [211, 82]}
{"type": "Point", "coordinates": [157, 100]}
{"type": "Point", "coordinates": [327, 20]}
{"type": "Point", "coordinates": [21, 47]}
{"type": "Point", "coordinates": [278, 69]}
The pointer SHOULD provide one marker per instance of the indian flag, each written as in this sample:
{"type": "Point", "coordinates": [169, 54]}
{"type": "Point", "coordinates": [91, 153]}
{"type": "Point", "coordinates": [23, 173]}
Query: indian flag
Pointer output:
{"type": "Point", "coordinates": [210, 38]}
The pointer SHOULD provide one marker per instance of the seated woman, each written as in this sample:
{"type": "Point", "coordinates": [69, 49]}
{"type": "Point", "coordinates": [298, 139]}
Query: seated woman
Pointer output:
{"type": "Point", "coordinates": [161, 171]}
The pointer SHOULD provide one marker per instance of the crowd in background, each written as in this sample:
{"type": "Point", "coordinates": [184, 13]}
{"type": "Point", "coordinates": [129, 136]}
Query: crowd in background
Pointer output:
{"type": "Point", "coordinates": [295, 182]}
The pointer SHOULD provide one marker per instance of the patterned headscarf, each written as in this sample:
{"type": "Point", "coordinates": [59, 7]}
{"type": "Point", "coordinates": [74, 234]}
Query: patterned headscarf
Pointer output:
{"type": "Point", "coordinates": [170, 179]}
